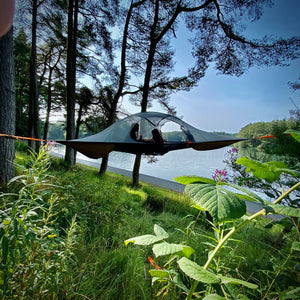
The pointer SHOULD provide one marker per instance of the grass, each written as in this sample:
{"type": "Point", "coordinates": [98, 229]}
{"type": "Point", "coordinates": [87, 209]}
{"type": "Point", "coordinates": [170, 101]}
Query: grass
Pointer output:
{"type": "Point", "coordinates": [108, 211]}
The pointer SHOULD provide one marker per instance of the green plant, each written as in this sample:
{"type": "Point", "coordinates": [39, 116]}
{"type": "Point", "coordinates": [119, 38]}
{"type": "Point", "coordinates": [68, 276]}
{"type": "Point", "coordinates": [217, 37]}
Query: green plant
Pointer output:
{"type": "Point", "coordinates": [35, 255]}
{"type": "Point", "coordinates": [228, 210]}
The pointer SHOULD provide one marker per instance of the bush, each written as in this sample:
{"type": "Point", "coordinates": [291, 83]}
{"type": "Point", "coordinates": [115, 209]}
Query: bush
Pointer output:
{"type": "Point", "coordinates": [36, 258]}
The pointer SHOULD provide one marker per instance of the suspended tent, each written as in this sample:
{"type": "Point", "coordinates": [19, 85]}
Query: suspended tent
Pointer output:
{"type": "Point", "coordinates": [148, 133]}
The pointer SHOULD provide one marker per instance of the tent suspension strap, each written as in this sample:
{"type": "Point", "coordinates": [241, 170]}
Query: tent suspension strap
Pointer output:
{"type": "Point", "coordinates": [41, 140]}
{"type": "Point", "coordinates": [267, 136]}
{"type": "Point", "coordinates": [9, 136]}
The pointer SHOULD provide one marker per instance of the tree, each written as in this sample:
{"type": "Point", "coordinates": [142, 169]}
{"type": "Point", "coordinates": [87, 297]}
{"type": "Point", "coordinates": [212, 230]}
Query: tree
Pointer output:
{"type": "Point", "coordinates": [114, 99]}
{"type": "Point", "coordinates": [71, 75]}
{"type": "Point", "coordinates": [85, 99]}
{"type": "Point", "coordinates": [34, 117]}
{"type": "Point", "coordinates": [133, 53]}
{"type": "Point", "coordinates": [216, 27]}
{"type": "Point", "coordinates": [95, 16]}
{"type": "Point", "coordinates": [50, 58]}
{"type": "Point", "coordinates": [7, 107]}
{"type": "Point", "coordinates": [21, 61]}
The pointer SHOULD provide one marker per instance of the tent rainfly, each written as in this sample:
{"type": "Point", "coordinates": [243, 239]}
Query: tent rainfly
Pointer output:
{"type": "Point", "coordinates": [150, 133]}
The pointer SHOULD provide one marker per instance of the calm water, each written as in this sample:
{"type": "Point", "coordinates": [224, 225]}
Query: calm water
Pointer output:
{"type": "Point", "coordinates": [170, 165]}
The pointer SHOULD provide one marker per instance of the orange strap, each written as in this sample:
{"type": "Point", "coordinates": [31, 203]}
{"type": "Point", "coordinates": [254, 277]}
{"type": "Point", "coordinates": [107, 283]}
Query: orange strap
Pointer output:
{"type": "Point", "coordinates": [265, 137]}
{"type": "Point", "coordinates": [268, 136]}
{"type": "Point", "coordinates": [20, 137]}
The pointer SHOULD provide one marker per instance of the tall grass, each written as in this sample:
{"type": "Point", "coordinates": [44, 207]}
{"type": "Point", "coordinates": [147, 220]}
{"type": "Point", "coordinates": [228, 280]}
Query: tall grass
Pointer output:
{"type": "Point", "coordinates": [35, 257]}
{"type": "Point", "coordinates": [62, 233]}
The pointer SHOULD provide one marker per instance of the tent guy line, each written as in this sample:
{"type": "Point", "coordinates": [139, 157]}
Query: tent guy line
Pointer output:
{"type": "Point", "coordinates": [16, 137]}
{"type": "Point", "coordinates": [142, 133]}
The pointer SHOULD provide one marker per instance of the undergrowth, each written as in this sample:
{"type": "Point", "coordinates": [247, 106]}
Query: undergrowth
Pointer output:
{"type": "Point", "coordinates": [62, 233]}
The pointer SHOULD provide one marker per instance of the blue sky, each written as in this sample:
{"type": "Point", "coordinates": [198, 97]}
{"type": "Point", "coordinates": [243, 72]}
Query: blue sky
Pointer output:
{"type": "Point", "coordinates": [226, 103]}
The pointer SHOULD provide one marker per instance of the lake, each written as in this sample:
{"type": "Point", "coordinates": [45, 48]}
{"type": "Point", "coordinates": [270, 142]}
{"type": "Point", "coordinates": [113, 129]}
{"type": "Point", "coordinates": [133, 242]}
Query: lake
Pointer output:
{"type": "Point", "coordinates": [170, 165]}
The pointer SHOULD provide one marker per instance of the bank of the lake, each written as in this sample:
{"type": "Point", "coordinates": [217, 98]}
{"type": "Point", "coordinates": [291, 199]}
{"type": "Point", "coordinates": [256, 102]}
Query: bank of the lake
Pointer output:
{"type": "Point", "coordinates": [169, 164]}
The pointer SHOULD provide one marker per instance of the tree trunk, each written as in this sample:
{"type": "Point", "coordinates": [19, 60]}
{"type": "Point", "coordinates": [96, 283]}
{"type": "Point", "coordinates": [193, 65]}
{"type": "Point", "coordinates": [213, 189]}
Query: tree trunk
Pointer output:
{"type": "Point", "coordinates": [78, 123]}
{"type": "Point", "coordinates": [104, 164]}
{"type": "Point", "coordinates": [147, 78]}
{"type": "Point", "coordinates": [71, 76]}
{"type": "Point", "coordinates": [117, 96]}
{"type": "Point", "coordinates": [136, 170]}
{"type": "Point", "coordinates": [49, 104]}
{"type": "Point", "coordinates": [7, 107]}
{"type": "Point", "coordinates": [34, 121]}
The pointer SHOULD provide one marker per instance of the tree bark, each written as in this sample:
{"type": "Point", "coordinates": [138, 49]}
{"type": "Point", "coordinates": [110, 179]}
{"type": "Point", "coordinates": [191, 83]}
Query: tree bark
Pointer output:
{"type": "Point", "coordinates": [117, 96]}
{"type": "Point", "coordinates": [49, 104]}
{"type": "Point", "coordinates": [147, 78]}
{"type": "Point", "coordinates": [34, 121]}
{"type": "Point", "coordinates": [7, 107]}
{"type": "Point", "coordinates": [71, 77]}
{"type": "Point", "coordinates": [104, 164]}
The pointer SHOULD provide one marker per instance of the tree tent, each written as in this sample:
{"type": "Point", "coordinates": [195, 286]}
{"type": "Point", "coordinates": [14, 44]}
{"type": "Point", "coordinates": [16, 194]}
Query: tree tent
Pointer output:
{"type": "Point", "coordinates": [152, 133]}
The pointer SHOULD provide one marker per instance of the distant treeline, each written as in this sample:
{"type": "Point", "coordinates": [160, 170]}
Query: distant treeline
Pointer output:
{"type": "Point", "coordinates": [225, 133]}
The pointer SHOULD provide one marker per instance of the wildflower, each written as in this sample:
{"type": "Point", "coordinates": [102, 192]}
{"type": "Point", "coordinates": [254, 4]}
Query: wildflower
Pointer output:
{"type": "Point", "coordinates": [51, 144]}
{"type": "Point", "coordinates": [220, 175]}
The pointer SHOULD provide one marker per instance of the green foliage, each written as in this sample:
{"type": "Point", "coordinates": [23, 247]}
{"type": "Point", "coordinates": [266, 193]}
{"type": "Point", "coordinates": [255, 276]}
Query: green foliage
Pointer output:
{"type": "Point", "coordinates": [280, 144]}
{"type": "Point", "coordinates": [270, 171]}
{"type": "Point", "coordinates": [149, 239]}
{"type": "Point", "coordinates": [222, 204]}
{"type": "Point", "coordinates": [22, 61]}
{"type": "Point", "coordinates": [35, 256]}
{"type": "Point", "coordinates": [228, 209]}
{"type": "Point", "coordinates": [294, 133]}
{"type": "Point", "coordinates": [196, 272]}
{"type": "Point", "coordinates": [108, 211]}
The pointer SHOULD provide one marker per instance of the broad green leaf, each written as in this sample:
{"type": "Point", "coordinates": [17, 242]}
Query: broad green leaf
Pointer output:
{"type": "Point", "coordinates": [187, 251]}
{"type": "Point", "coordinates": [166, 249]}
{"type": "Point", "coordinates": [249, 195]}
{"type": "Point", "coordinates": [296, 246]}
{"type": "Point", "coordinates": [146, 239]}
{"type": "Point", "coordinates": [222, 204]}
{"type": "Point", "coordinates": [198, 207]}
{"type": "Point", "coordinates": [247, 284]}
{"type": "Point", "coordinates": [269, 171]}
{"type": "Point", "coordinates": [161, 273]}
{"type": "Point", "coordinates": [160, 232]}
{"type": "Point", "coordinates": [293, 173]}
{"type": "Point", "coordinates": [214, 297]}
{"type": "Point", "coordinates": [196, 272]}
{"type": "Point", "coordinates": [294, 133]}
{"type": "Point", "coordinates": [276, 164]}
{"type": "Point", "coordinates": [193, 179]}
{"type": "Point", "coordinates": [258, 169]}
{"type": "Point", "coordinates": [149, 239]}
{"type": "Point", "coordinates": [280, 167]}
{"type": "Point", "coordinates": [284, 210]}
{"type": "Point", "coordinates": [177, 281]}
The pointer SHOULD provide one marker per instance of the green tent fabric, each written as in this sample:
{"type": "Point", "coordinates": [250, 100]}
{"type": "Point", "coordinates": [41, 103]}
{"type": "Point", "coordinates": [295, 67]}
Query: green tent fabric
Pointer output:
{"type": "Point", "coordinates": [147, 133]}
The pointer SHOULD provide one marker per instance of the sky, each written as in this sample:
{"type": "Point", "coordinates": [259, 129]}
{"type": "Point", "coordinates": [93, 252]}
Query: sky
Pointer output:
{"type": "Point", "coordinates": [227, 103]}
